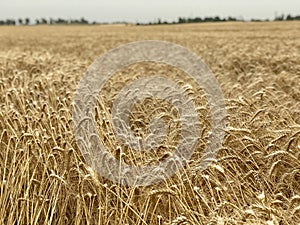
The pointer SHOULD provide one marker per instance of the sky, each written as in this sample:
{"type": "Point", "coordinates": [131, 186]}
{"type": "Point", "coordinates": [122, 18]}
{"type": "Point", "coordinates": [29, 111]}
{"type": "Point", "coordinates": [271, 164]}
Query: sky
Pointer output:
{"type": "Point", "coordinates": [145, 10]}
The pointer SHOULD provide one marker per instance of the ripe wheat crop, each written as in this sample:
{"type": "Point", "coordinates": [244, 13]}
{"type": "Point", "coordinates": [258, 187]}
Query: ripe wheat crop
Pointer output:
{"type": "Point", "coordinates": [255, 179]}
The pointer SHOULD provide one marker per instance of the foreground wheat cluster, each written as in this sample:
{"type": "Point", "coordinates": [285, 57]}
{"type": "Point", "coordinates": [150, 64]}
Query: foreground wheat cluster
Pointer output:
{"type": "Point", "coordinates": [255, 179]}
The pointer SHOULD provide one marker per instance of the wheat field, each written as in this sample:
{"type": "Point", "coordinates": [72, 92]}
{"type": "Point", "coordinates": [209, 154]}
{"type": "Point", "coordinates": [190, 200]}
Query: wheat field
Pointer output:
{"type": "Point", "coordinates": [44, 178]}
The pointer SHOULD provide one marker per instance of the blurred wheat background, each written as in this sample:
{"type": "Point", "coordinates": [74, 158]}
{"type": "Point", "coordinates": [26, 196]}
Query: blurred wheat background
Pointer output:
{"type": "Point", "coordinates": [255, 180]}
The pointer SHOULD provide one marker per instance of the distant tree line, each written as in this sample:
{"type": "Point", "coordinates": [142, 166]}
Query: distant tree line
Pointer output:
{"type": "Point", "coordinates": [42, 21]}
{"type": "Point", "coordinates": [180, 20]}
{"type": "Point", "coordinates": [192, 20]}
{"type": "Point", "coordinates": [287, 17]}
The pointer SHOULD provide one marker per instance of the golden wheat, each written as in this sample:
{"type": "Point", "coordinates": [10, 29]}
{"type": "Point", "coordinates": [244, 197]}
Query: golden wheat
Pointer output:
{"type": "Point", "coordinates": [255, 179]}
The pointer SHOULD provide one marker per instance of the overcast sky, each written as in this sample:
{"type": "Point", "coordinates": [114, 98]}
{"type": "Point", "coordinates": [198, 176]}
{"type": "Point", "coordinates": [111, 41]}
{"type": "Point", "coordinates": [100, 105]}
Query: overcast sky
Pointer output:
{"type": "Point", "coordinates": [145, 10]}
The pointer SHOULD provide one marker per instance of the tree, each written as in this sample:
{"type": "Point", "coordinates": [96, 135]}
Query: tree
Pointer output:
{"type": "Point", "coordinates": [181, 20]}
{"type": "Point", "coordinates": [27, 21]}
{"type": "Point", "coordinates": [289, 17]}
{"type": "Point", "coordinates": [9, 22]}
{"type": "Point", "coordinates": [20, 21]}
{"type": "Point", "coordinates": [84, 21]}
{"type": "Point", "coordinates": [231, 19]}
{"type": "Point", "coordinates": [279, 18]}
{"type": "Point", "coordinates": [44, 21]}
{"type": "Point", "coordinates": [217, 19]}
{"type": "Point", "coordinates": [198, 19]}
